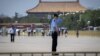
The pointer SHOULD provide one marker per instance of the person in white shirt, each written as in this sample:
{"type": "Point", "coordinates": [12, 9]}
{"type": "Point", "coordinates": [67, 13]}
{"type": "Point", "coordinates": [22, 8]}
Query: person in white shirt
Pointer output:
{"type": "Point", "coordinates": [29, 31]}
{"type": "Point", "coordinates": [34, 31]}
{"type": "Point", "coordinates": [12, 33]}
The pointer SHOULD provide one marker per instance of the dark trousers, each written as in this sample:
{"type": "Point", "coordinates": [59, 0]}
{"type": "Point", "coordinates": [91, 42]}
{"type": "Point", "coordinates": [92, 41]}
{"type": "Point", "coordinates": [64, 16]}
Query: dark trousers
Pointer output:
{"type": "Point", "coordinates": [18, 33]}
{"type": "Point", "coordinates": [12, 37]}
{"type": "Point", "coordinates": [29, 33]}
{"type": "Point", "coordinates": [43, 33]}
{"type": "Point", "coordinates": [54, 41]}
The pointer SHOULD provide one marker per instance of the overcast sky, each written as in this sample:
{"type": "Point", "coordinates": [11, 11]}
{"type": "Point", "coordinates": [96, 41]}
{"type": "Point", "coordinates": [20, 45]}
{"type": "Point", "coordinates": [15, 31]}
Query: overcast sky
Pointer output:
{"type": "Point", "coordinates": [9, 7]}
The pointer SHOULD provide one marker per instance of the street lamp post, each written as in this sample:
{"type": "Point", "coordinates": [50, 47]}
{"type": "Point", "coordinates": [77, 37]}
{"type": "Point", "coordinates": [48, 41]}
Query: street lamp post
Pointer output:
{"type": "Point", "coordinates": [77, 23]}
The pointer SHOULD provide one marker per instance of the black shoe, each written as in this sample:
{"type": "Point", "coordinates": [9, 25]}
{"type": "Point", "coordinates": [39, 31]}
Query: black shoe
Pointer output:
{"type": "Point", "coordinates": [12, 41]}
{"type": "Point", "coordinates": [55, 54]}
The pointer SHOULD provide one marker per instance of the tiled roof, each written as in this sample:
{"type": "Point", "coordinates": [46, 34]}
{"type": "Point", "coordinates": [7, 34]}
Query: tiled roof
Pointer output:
{"type": "Point", "coordinates": [57, 6]}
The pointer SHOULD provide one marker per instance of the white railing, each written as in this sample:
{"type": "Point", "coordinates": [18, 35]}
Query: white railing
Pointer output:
{"type": "Point", "coordinates": [42, 53]}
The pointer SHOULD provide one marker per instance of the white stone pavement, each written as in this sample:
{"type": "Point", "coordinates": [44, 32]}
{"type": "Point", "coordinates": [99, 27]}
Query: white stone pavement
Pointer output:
{"type": "Point", "coordinates": [43, 44]}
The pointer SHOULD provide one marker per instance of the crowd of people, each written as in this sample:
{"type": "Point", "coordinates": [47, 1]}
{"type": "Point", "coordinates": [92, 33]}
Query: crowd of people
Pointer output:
{"type": "Point", "coordinates": [54, 32]}
{"type": "Point", "coordinates": [31, 32]}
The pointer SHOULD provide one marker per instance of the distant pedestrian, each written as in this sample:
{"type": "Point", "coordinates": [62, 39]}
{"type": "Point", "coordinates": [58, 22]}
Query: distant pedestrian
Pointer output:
{"type": "Point", "coordinates": [12, 33]}
{"type": "Point", "coordinates": [29, 31]}
{"type": "Point", "coordinates": [34, 32]}
{"type": "Point", "coordinates": [19, 32]}
{"type": "Point", "coordinates": [43, 32]}
{"type": "Point", "coordinates": [77, 33]}
{"type": "Point", "coordinates": [66, 32]}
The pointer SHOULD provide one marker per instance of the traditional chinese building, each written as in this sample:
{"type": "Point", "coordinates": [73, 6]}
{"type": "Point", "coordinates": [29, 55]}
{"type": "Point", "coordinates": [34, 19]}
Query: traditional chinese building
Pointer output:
{"type": "Point", "coordinates": [48, 7]}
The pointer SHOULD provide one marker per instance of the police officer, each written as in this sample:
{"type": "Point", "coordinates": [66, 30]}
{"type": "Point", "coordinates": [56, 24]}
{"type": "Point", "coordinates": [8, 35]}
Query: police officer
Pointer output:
{"type": "Point", "coordinates": [54, 30]}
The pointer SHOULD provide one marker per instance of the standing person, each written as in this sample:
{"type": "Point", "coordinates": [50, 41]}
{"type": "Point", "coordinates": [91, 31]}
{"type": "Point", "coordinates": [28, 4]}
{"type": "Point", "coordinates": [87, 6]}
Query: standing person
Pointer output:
{"type": "Point", "coordinates": [4, 31]}
{"type": "Point", "coordinates": [34, 31]}
{"type": "Point", "coordinates": [29, 31]}
{"type": "Point", "coordinates": [62, 29]}
{"type": "Point", "coordinates": [19, 32]}
{"type": "Point", "coordinates": [12, 33]}
{"type": "Point", "coordinates": [77, 33]}
{"type": "Point", "coordinates": [43, 32]}
{"type": "Point", "coordinates": [66, 32]}
{"type": "Point", "coordinates": [55, 31]}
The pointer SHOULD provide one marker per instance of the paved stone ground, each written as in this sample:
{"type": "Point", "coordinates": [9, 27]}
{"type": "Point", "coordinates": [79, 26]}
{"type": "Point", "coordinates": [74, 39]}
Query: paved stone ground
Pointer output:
{"type": "Point", "coordinates": [43, 44]}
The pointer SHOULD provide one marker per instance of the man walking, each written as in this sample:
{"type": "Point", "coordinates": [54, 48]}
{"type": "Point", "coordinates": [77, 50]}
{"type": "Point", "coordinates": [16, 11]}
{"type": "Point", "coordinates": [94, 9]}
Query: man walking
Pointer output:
{"type": "Point", "coordinates": [55, 31]}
